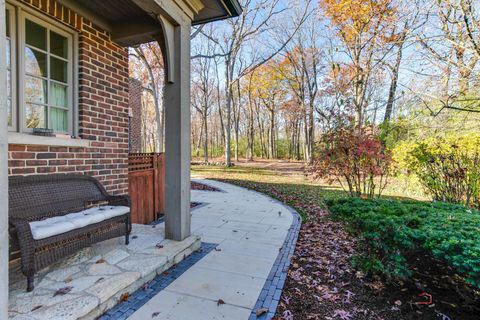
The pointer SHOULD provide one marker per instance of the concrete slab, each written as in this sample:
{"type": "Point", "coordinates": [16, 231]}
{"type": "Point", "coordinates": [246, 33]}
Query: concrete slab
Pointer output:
{"type": "Point", "coordinates": [250, 248]}
{"type": "Point", "coordinates": [246, 226]}
{"type": "Point", "coordinates": [234, 289]}
{"type": "Point", "coordinates": [237, 263]}
{"type": "Point", "coordinates": [173, 306]}
{"type": "Point", "coordinates": [218, 232]}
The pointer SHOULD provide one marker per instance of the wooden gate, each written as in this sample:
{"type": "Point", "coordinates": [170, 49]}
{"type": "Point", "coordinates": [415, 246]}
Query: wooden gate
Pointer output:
{"type": "Point", "coordinates": [146, 186]}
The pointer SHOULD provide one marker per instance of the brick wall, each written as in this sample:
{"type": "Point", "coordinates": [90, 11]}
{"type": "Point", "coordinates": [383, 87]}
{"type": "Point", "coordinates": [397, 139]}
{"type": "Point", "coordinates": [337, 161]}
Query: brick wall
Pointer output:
{"type": "Point", "coordinates": [103, 110]}
{"type": "Point", "coordinates": [135, 103]}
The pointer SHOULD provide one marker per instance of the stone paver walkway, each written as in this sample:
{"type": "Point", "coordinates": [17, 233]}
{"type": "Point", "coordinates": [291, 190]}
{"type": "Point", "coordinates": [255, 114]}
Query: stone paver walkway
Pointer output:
{"type": "Point", "coordinates": [250, 229]}
{"type": "Point", "coordinates": [96, 276]}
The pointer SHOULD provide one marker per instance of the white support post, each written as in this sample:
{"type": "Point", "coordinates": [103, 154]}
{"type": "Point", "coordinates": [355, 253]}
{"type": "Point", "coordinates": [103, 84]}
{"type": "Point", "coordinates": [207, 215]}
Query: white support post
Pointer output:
{"type": "Point", "coordinates": [3, 170]}
{"type": "Point", "coordinates": [177, 135]}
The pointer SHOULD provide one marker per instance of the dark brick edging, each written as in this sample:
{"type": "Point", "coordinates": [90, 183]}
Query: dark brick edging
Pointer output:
{"type": "Point", "coordinates": [269, 297]}
{"type": "Point", "coordinates": [140, 297]}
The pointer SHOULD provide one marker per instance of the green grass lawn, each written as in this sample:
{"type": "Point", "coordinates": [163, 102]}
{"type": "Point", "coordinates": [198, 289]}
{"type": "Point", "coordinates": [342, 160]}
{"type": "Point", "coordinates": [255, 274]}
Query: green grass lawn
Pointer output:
{"type": "Point", "coordinates": [299, 185]}
{"type": "Point", "coordinates": [285, 186]}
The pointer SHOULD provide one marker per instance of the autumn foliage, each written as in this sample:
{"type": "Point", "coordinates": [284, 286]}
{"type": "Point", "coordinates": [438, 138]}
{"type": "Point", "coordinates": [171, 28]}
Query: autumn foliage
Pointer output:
{"type": "Point", "coordinates": [356, 17]}
{"type": "Point", "coordinates": [356, 159]}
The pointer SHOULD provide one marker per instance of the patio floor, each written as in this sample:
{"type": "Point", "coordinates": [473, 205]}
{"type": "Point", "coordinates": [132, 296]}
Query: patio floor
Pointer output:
{"type": "Point", "coordinates": [250, 229]}
{"type": "Point", "coordinates": [98, 276]}
{"type": "Point", "coordinates": [255, 236]}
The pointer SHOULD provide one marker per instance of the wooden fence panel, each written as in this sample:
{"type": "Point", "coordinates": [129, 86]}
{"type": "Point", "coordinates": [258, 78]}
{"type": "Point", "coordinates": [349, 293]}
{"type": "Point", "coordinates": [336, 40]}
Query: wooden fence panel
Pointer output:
{"type": "Point", "coordinates": [146, 186]}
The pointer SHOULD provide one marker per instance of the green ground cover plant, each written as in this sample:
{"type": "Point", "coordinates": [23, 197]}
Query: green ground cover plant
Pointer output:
{"type": "Point", "coordinates": [391, 230]}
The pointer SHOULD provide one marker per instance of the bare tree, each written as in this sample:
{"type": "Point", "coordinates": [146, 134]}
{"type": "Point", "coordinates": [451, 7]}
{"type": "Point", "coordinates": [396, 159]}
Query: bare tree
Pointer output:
{"type": "Point", "coordinates": [150, 56]}
{"type": "Point", "coordinates": [254, 22]}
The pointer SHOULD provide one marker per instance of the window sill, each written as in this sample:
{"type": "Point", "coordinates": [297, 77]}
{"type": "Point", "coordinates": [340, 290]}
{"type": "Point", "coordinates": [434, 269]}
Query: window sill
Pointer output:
{"type": "Point", "coordinates": [29, 139]}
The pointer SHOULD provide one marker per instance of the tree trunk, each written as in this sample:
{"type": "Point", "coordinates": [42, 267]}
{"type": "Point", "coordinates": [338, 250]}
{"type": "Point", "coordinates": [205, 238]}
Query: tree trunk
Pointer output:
{"type": "Point", "coordinates": [271, 142]}
{"type": "Point", "coordinates": [205, 138]}
{"type": "Point", "coordinates": [311, 133]}
{"type": "Point", "coordinates": [392, 92]}
{"type": "Point", "coordinates": [228, 161]}
{"type": "Point", "coordinates": [307, 137]}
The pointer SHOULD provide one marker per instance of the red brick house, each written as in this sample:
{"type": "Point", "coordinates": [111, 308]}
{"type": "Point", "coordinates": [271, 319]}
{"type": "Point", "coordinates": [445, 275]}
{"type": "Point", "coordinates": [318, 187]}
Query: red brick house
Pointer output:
{"type": "Point", "coordinates": [65, 63]}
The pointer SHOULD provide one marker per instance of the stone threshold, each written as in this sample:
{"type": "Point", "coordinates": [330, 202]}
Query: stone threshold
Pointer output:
{"type": "Point", "coordinates": [99, 277]}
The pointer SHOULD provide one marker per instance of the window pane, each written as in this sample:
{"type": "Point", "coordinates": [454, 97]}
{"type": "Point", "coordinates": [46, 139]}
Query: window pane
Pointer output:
{"type": "Point", "coordinates": [58, 95]}
{"type": "Point", "coordinates": [58, 69]}
{"type": "Point", "coordinates": [7, 20]}
{"type": "Point", "coordinates": [9, 49]}
{"type": "Point", "coordinates": [58, 45]}
{"type": "Point", "coordinates": [35, 116]}
{"type": "Point", "coordinates": [58, 119]}
{"type": "Point", "coordinates": [35, 62]}
{"type": "Point", "coordinates": [9, 112]}
{"type": "Point", "coordinates": [35, 90]}
{"type": "Point", "coordinates": [9, 83]}
{"type": "Point", "coordinates": [35, 35]}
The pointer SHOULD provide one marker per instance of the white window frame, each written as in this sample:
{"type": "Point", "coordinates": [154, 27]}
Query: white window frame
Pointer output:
{"type": "Point", "coordinates": [12, 13]}
{"type": "Point", "coordinates": [19, 13]}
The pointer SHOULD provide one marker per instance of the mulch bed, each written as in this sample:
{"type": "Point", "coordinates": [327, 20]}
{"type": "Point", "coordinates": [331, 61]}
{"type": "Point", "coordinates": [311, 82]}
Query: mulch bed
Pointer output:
{"type": "Point", "coordinates": [322, 284]}
{"type": "Point", "coordinates": [201, 186]}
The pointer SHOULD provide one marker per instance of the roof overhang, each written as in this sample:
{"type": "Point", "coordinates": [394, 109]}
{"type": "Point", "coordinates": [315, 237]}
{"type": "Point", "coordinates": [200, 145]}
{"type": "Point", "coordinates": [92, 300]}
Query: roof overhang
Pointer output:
{"type": "Point", "coordinates": [215, 10]}
{"type": "Point", "coordinates": [132, 22]}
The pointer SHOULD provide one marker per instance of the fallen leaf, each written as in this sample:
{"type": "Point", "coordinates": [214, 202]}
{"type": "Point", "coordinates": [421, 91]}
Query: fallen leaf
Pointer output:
{"type": "Point", "coordinates": [220, 301]}
{"type": "Point", "coordinates": [100, 261]}
{"type": "Point", "coordinates": [62, 291]}
{"type": "Point", "coordinates": [155, 314]}
{"type": "Point", "coordinates": [69, 279]}
{"type": "Point", "coordinates": [342, 314]}
{"type": "Point", "coordinates": [99, 279]}
{"type": "Point", "coordinates": [36, 308]}
{"type": "Point", "coordinates": [261, 311]}
{"type": "Point", "coordinates": [159, 246]}
{"type": "Point", "coordinates": [124, 297]}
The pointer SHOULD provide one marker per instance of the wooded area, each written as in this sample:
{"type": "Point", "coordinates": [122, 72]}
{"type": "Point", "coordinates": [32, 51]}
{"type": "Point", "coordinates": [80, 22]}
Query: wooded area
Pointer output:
{"type": "Point", "coordinates": [273, 82]}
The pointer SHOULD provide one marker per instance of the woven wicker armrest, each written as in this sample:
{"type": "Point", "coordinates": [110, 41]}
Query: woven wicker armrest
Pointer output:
{"type": "Point", "coordinates": [22, 227]}
{"type": "Point", "coordinates": [123, 200]}
{"type": "Point", "coordinates": [25, 241]}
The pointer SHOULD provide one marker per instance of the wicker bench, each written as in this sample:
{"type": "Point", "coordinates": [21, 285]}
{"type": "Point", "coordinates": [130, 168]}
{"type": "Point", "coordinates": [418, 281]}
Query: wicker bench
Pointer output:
{"type": "Point", "coordinates": [53, 216]}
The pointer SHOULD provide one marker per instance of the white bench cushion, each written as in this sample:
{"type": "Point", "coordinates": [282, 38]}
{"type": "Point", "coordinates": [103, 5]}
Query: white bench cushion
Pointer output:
{"type": "Point", "coordinates": [57, 225]}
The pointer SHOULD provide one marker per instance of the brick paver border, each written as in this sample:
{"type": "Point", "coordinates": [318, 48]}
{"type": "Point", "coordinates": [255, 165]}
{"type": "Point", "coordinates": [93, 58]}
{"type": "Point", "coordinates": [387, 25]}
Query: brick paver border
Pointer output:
{"type": "Point", "coordinates": [269, 297]}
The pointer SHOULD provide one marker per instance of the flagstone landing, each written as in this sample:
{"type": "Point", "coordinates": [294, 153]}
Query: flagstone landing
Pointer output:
{"type": "Point", "coordinates": [99, 276]}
